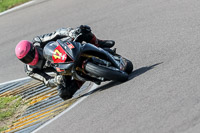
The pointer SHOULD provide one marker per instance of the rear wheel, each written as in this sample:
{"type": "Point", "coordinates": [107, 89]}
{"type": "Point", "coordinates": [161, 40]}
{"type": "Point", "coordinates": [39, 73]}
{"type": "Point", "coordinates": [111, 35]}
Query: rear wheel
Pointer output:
{"type": "Point", "coordinates": [110, 73]}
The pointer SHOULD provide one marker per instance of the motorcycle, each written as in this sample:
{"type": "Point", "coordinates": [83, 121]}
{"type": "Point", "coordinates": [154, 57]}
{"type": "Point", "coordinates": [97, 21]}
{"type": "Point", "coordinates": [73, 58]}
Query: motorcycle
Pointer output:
{"type": "Point", "coordinates": [86, 62]}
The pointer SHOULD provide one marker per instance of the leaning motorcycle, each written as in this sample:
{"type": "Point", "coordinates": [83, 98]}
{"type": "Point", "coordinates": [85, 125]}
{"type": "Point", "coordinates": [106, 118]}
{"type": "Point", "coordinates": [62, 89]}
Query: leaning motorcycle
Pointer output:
{"type": "Point", "coordinates": [86, 62]}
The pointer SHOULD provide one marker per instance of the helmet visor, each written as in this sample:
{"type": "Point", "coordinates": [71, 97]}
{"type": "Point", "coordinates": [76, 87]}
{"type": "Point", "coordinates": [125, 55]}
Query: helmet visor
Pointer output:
{"type": "Point", "coordinates": [29, 56]}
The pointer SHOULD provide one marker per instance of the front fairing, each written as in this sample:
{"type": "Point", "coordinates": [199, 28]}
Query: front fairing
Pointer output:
{"type": "Point", "coordinates": [72, 48]}
{"type": "Point", "coordinates": [48, 51]}
{"type": "Point", "coordinates": [61, 52]}
{"type": "Point", "coordinates": [62, 55]}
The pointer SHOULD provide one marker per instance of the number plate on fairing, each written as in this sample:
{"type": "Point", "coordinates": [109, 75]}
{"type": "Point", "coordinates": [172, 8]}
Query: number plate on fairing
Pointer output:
{"type": "Point", "coordinates": [59, 55]}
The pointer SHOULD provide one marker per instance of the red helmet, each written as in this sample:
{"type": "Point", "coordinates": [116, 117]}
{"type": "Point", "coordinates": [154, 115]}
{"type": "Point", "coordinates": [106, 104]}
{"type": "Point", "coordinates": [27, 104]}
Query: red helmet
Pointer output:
{"type": "Point", "coordinates": [27, 53]}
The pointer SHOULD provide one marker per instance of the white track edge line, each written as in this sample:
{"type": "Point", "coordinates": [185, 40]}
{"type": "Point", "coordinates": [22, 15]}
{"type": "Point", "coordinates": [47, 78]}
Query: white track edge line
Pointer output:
{"type": "Point", "coordinates": [68, 109]}
{"type": "Point", "coordinates": [14, 80]}
{"type": "Point", "coordinates": [15, 8]}
{"type": "Point", "coordinates": [50, 73]}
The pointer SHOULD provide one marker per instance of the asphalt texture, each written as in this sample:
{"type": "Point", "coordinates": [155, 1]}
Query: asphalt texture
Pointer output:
{"type": "Point", "coordinates": [160, 37]}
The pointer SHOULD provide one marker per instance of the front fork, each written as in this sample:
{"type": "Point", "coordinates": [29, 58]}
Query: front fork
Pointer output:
{"type": "Point", "coordinates": [122, 62]}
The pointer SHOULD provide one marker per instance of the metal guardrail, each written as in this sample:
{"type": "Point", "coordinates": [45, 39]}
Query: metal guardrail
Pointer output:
{"type": "Point", "coordinates": [43, 103]}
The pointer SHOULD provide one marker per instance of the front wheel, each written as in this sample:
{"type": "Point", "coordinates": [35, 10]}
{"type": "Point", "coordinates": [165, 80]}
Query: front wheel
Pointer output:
{"type": "Point", "coordinates": [109, 73]}
{"type": "Point", "coordinates": [129, 66]}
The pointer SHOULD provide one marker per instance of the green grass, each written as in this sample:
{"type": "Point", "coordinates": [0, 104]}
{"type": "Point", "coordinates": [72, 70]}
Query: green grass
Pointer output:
{"type": "Point", "coordinates": [8, 107]}
{"type": "Point", "coordinates": [7, 4]}
{"type": "Point", "coordinates": [3, 129]}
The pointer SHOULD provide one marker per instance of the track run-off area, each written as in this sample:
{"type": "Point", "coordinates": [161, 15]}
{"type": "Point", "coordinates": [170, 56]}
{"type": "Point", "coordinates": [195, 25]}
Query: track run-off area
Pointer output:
{"type": "Point", "coordinates": [160, 37]}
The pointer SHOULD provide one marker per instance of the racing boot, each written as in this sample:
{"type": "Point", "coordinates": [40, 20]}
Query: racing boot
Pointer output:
{"type": "Point", "coordinates": [63, 92]}
{"type": "Point", "coordinates": [68, 88]}
{"type": "Point", "coordinates": [101, 43]}
{"type": "Point", "coordinates": [89, 37]}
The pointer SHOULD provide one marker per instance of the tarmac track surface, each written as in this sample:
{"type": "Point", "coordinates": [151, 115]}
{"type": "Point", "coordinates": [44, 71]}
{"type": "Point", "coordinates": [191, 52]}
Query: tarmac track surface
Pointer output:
{"type": "Point", "coordinates": [162, 39]}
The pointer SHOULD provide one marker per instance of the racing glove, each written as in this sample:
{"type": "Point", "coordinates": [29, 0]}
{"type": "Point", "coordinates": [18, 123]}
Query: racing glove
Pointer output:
{"type": "Point", "coordinates": [83, 29]}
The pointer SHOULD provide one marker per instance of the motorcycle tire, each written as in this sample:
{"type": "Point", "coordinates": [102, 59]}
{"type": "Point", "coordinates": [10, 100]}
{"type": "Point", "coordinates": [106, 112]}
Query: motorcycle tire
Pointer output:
{"type": "Point", "coordinates": [106, 72]}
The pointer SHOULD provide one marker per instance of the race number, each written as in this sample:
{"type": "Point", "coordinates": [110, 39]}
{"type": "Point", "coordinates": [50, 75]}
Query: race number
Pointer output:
{"type": "Point", "coordinates": [59, 55]}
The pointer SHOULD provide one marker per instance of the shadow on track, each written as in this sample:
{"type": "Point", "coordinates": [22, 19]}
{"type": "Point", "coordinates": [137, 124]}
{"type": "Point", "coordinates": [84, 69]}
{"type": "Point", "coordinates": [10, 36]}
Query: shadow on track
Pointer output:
{"type": "Point", "coordinates": [142, 70]}
{"type": "Point", "coordinates": [134, 74]}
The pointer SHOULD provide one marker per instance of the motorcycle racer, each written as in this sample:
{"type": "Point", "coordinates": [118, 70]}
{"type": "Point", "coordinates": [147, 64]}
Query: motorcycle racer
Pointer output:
{"type": "Point", "coordinates": [31, 53]}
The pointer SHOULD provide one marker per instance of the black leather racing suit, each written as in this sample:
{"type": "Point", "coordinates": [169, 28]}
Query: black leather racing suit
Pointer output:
{"type": "Point", "coordinates": [66, 86]}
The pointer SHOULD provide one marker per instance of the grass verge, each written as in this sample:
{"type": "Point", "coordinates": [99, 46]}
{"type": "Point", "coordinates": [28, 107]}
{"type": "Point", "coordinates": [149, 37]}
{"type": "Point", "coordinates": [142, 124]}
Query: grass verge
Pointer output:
{"type": "Point", "coordinates": [2, 129]}
{"type": "Point", "coordinates": [8, 109]}
{"type": "Point", "coordinates": [7, 4]}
